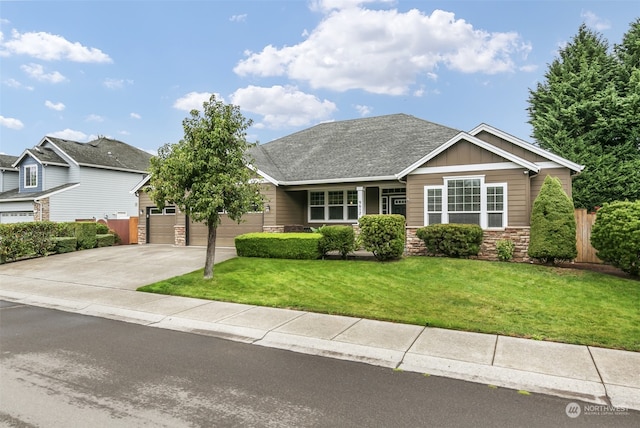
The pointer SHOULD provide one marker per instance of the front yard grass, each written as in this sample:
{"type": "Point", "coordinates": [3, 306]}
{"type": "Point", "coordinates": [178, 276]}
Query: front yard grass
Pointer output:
{"type": "Point", "coordinates": [523, 300]}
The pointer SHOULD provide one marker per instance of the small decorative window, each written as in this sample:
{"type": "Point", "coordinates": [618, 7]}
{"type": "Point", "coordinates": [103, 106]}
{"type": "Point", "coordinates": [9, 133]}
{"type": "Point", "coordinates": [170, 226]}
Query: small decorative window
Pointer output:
{"type": "Point", "coordinates": [31, 176]}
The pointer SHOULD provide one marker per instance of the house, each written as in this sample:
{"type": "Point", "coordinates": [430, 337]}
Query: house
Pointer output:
{"type": "Point", "coordinates": [334, 173]}
{"type": "Point", "coordinates": [63, 180]}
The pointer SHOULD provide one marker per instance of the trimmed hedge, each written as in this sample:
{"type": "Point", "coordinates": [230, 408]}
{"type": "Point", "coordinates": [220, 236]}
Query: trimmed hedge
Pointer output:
{"type": "Point", "coordinates": [337, 238]}
{"type": "Point", "coordinates": [279, 245]}
{"type": "Point", "coordinates": [383, 235]}
{"type": "Point", "coordinates": [86, 233]}
{"type": "Point", "coordinates": [616, 235]}
{"type": "Point", "coordinates": [65, 244]}
{"type": "Point", "coordinates": [105, 240]}
{"type": "Point", "coordinates": [20, 240]}
{"type": "Point", "coordinates": [451, 240]}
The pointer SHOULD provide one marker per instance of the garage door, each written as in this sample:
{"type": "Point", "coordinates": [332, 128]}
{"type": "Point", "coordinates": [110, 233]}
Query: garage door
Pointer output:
{"type": "Point", "coordinates": [16, 217]}
{"type": "Point", "coordinates": [160, 225]}
{"type": "Point", "coordinates": [227, 230]}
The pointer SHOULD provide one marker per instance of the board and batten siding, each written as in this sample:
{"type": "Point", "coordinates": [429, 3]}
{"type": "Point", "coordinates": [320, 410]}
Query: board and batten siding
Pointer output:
{"type": "Point", "coordinates": [510, 147]}
{"type": "Point", "coordinates": [518, 209]}
{"type": "Point", "coordinates": [101, 193]}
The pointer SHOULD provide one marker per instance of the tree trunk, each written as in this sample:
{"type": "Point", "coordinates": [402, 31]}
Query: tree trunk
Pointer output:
{"type": "Point", "coordinates": [212, 229]}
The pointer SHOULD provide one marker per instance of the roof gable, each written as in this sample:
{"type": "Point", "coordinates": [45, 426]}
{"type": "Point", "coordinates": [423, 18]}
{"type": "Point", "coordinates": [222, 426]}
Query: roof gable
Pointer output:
{"type": "Point", "coordinates": [483, 127]}
{"type": "Point", "coordinates": [463, 136]}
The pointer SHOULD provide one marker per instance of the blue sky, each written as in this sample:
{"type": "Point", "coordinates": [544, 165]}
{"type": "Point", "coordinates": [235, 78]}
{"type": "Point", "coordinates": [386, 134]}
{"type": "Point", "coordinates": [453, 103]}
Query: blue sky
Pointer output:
{"type": "Point", "coordinates": [132, 70]}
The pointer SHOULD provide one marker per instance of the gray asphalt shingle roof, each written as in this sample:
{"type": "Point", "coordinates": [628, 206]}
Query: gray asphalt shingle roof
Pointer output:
{"type": "Point", "coordinates": [360, 148]}
{"type": "Point", "coordinates": [6, 161]}
{"type": "Point", "coordinates": [104, 152]}
{"type": "Point", "coordinates": [15, 195]}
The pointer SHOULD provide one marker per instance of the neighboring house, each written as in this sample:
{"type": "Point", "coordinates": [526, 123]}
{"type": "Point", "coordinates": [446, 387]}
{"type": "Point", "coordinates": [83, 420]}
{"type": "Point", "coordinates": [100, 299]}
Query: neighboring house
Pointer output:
{"type": "Point", "coordinates": [334, 173]}
{"type": "Point", "coordinates": [62, 180]}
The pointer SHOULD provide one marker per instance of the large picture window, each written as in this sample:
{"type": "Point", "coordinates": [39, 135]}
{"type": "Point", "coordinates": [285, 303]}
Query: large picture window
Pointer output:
{"type": "Point", "coordinates": [466, 200]}
{"type": "Point", "coordinates": [333, 205]}
{"type": "Point", "coordinates": [31, 176]}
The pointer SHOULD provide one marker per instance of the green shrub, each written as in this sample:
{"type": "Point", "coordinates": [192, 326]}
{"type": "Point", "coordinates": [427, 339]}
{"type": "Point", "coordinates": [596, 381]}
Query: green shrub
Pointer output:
{"type": "Point", "coordinates": [383, 235]}
{"type": "Point", "coordinates": [279, 245]}
{"type": "Point", "coordinates": [40, 236]}
{"type": "Point", "coordinates": [105, 240]}
{"type": "Point", "coordinates": [553, 224]}
{"type": "Point", "coordinates": [337, 238]}
{"type": "Point", "coordinates": [65, 244]}
{"type": "Point", "coordinates": [66, 229]}
{"type": "Point", "coordinates": [12, 242]}
{"type": "Point", "coordinates": [504, 248]}
{"type": "Point", "coordinates": [616, 235]}
{"type": "Point", "coordinates": [101, 228]}
{"type": "Point", "coordinates": [451, 240]}
{"type": "Point", "coordinates": [85, 232]}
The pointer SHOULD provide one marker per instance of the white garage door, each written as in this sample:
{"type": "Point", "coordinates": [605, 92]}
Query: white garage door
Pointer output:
{"type": "Point", "coordinates": [16, 217]}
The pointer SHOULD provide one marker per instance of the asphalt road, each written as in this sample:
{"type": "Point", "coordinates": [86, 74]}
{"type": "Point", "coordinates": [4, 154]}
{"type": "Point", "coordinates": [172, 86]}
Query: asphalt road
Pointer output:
{"type": "Point", "coordinates": [67, 370]}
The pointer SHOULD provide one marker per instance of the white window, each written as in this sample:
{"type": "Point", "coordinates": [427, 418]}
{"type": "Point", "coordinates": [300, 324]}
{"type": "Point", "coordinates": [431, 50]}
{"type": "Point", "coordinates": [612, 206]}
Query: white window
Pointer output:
{"type": "Point", "coordinates": [31, 176]}
{"type": "Point", "coordinates": [466, 200]}
{"type": "Point", "coordinates": [333, 205]}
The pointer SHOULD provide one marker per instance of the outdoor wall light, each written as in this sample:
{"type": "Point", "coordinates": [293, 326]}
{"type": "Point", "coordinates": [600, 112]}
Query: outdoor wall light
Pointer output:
{"type": "Point", "coordinates": [267, 208]}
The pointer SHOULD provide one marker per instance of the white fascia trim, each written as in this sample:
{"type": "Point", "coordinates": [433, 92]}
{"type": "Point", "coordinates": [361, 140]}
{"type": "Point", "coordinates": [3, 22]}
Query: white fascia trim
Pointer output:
{"type": "Point", "coordinates": [25, 153]}
{"type": "Point", "coordinates": [466, 168]}
{"type": "Point", "coordinates": [59, 151]}
{"type": "Point", "coordinates": [473, 140]}
{"type": "Point", "coordinates": [266, 176]}
{"type": "Point", "coordinates": [112, 168]}
{"type": "Point", "coordinates": [141, 183]}
{"type": "Point", "coordinates": [527, 146]}
{"type": "Point", "coordinates": [339, 180]}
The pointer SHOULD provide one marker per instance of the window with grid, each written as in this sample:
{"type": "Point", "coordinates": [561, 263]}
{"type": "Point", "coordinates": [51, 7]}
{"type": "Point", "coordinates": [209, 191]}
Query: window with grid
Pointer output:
{"type": "Point", "coordinates": [434, 205]}
{"type": "Point", "coordinates": [31, 176]}
{"type": "Point", "coordinates": [352, 204]}
{"type": "Point", "coordinates": [336, 205]}
{"type": "Point", "coordinates": [495, 206]}
{"type": "Point", "coordinates": [463, 201]}
{"type": "Point", "coordinates": [316, 205]}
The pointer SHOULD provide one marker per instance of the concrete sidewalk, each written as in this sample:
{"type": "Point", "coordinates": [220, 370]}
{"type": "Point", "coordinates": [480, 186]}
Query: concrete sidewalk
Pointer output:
{"type": "Point", "coordinates": [102, 283]}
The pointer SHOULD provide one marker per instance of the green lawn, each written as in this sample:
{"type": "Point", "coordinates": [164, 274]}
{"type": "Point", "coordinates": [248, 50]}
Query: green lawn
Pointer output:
{"type": "Point", "coordinates": [524, 300]}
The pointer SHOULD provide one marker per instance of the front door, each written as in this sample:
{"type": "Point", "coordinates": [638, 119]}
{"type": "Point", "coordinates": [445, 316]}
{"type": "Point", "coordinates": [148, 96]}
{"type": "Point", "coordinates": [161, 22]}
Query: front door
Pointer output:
{"type": "Point", "coordinates": [398, 204]}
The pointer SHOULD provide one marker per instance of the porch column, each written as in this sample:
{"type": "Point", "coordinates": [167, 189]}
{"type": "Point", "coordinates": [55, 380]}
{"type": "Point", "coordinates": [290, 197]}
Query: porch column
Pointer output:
{"type": "Point", "coordinates": [360, 190]}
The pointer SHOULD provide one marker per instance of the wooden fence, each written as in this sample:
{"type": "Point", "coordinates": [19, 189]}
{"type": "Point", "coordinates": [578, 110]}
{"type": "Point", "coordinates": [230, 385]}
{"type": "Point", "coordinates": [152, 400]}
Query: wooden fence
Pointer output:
{"type": "Point", "coordinates": [584, 223]}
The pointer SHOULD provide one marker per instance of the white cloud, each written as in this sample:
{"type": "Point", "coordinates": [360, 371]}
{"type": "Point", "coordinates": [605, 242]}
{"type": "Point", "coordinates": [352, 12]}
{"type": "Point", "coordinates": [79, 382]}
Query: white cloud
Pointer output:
{"type": "Point", "coordinates": [135, 116]}
{"type": "Point", "coordinates": [48, 47]}
{"type": "Point", "coordinates": [13, 83]}
{"type": "Point", "coordinates": [363, 110]}
{"type": "Point", "coordinates": [94, 118]}
{"type": "Point", "coordinates": [36, 71]}
{"type": "Point", "coordinates": [384, 51]}
{"type": "Point", "coordinates": [70, 134]}
{"type": "Point", "coordinates": [594, 21]}
{"type": "Point", "coordinates": [54, 106]}
{"type": "Point", "coordinates": [193, 101]}
{"type": "Point", "coordinates": [238, 18]}
{"type": "Point", "coordinates": [116, 83]}
{"type": "Point", "coordinates": [282, 106]}
{"type": "Point", "coordinates": [11, 123]}
{"type": "Point", "coordinates": [124, 133]}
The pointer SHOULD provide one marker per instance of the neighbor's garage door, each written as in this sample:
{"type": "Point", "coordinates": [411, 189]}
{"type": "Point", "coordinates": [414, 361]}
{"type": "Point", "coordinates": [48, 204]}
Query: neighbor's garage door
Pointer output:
{"type": "Point", "coordinates": [16, 217]}
{"type": "Point", "coordinates": [227, 230]}
{"type": "Point", "coordinates": [160, 224]}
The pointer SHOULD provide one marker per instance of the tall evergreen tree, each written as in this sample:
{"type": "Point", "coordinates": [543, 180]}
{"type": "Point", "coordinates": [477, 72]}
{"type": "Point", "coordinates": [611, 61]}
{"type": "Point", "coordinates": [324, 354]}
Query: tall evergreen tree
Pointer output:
{"type": "Point", "coordinates": [587, 112]}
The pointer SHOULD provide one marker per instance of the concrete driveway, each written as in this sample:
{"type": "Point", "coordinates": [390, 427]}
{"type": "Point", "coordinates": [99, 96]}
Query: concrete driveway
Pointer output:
{"type": "Point", "coordinates": [125, 267]}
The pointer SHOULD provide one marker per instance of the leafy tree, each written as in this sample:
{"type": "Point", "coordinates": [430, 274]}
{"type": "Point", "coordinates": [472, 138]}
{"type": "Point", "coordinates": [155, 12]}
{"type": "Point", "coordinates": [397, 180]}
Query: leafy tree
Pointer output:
{"type": "Point", "coordinates": [553, 224]}
{"type": "Point", "coordinates": [587, 110]}
{"type": "Point", "coordinates": [206, 173]}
